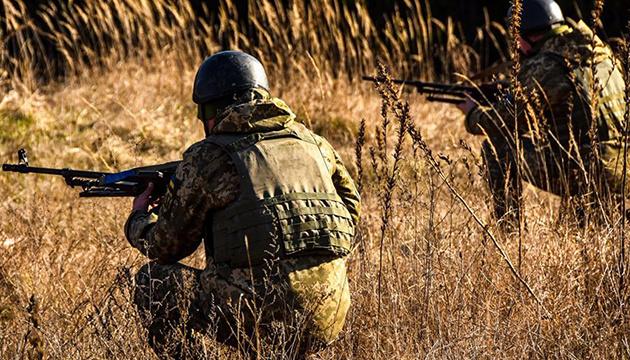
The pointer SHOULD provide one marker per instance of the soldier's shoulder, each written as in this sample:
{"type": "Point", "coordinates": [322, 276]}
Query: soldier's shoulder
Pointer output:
{"type": "Point", "coordinates": [207, 155]}
{"type": "Point", "coordinates": [203, 147]}
{"type": "Point", "coordinates": [305, 131]}
{"type": "Point", "coordinates": [545, 59]}
{"type": "Point", "coordinates": [544, 66]}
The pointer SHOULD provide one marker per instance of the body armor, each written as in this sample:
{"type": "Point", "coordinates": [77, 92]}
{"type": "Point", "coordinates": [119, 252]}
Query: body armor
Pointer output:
{"type": "Point", "coordinates": [288, 205]}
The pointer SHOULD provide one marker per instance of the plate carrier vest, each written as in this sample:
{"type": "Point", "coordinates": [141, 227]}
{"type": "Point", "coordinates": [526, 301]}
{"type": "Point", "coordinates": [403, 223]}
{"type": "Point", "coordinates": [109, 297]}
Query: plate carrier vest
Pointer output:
{"type": "Point", "coordinates": [288, 205]}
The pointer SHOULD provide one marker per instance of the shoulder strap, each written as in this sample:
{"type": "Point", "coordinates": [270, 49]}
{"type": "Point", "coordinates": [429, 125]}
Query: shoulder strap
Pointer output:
{"type": "Point", "coordinates": [235, 143]}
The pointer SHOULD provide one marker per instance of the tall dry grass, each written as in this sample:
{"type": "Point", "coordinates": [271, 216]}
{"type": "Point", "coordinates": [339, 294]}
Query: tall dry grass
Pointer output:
{"type": "Point", "coordinates": [431, 275]}
{"type": "Point", "coordinates": [337, 38]}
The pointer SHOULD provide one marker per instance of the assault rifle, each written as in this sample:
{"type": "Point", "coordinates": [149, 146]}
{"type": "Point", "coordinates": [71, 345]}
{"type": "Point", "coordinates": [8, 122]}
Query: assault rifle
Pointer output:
{"type": "Point", "coordinates": [104, 184]}
{"type": "Point", "coordinates": [451, 93]}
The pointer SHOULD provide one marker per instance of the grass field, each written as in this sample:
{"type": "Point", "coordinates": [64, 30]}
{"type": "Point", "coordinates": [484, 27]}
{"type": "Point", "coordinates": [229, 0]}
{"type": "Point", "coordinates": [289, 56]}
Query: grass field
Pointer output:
{"type": "Point", "coordinates": [427, 280]}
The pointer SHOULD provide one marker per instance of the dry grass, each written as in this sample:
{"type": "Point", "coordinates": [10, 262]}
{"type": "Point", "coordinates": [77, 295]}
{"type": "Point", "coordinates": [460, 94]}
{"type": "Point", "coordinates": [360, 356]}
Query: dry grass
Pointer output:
{"type": "Point", "coordinates": [426, 279]}
{"type": "Point", "coordinates": [303, 36]}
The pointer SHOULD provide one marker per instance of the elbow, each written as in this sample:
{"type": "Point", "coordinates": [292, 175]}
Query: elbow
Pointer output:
{"type": "Point", "coordinates": [472, 122]}
{"type": "Point", "coordinates": [172, 252]}
{"type": "Point", "coordinates": [160, 256]}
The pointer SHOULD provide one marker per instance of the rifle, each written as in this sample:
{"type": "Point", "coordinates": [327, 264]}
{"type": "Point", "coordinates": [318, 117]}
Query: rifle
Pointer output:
{"type": "Point", "coordinates": [451, 93]}
{"type": "Point", "coordinates": [104, 184]}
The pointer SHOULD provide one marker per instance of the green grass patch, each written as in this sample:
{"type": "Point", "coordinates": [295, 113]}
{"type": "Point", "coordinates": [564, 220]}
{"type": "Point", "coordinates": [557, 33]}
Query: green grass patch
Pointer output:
{"type": "Point", "coordinates": [14, 124]}
{"type": "Point", "coordinates": [335, 129]}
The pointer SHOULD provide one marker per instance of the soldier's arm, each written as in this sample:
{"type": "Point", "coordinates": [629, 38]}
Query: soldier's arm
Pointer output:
{"type": "Point", "coordinates": [493, 120]}
{"type": "Point", "coordinates": [546, 88]}
{"type": "Point", "coordinates": [345, 186]}
{"type": "Point", "coordinates": [198, 187]}
{"type": "Point", "coordinates": [543, 73]}
{"type": "Point", "coordinates": [550, 80]}
{"type": "Point", "coordinates": [479, 119]}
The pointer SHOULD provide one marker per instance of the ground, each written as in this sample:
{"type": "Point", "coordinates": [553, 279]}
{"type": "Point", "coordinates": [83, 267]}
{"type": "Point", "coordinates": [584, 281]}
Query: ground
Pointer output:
{"type": "Point", "coordinates": [433, 286]}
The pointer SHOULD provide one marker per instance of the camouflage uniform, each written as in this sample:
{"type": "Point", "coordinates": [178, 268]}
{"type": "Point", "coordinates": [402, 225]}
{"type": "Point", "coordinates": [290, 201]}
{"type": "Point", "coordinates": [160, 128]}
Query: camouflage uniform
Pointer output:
{"type": "Point", "coordinates": [559, 154]}
{"type": "Point", "coordinates": [307, 292]}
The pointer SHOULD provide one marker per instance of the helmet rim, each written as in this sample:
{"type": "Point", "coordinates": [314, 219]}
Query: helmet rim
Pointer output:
{"type": "Point", "coordinates": [538, 15]}
{"type": "Point", "coordinates": [225, 73]}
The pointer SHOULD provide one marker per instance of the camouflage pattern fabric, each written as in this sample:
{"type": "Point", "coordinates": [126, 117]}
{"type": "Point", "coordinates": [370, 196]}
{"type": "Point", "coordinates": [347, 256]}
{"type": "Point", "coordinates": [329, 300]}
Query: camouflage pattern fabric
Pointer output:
{"type": "Point", "coordinates": [299, 303]}
{"type": "Point", "coordinates": [555, 128]}
{"type": "Point", "coordinates": [542, 166]}
{"type": "Point", "coordinates": [207, 181]}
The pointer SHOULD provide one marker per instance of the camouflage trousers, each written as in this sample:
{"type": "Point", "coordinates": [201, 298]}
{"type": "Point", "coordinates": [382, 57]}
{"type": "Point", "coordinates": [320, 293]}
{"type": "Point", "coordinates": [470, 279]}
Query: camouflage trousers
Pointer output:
{"type": "Point", "coordinates": [284, 309]}
{"type": "Point", "coordinates": [580, 182]}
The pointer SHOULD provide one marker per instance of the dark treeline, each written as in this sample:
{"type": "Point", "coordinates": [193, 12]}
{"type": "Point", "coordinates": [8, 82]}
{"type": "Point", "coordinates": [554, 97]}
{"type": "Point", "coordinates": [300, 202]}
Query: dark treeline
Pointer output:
{"type": "Point", "coordinates": [470, 13]}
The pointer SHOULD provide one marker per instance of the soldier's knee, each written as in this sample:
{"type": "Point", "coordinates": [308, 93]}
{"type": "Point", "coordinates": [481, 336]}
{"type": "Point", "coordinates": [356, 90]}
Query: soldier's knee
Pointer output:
{"type": "Point", "coordinates": [142, 283]}
{"type": "Point", "coordinates": [147, 281]}
{"type": "Point", "coordinates": [142, 275]}
{"type": "Point", "coordinates": [156, 282]}
{"type": "Point", "coordinates": [153, 271]}
{"type": "Point", "coordinates": [148, 272]}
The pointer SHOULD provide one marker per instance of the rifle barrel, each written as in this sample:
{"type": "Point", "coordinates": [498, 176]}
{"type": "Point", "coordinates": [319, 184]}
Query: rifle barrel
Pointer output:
{"type": "Point", "coordinates": [25, 169]}
{"type": "Point", "coordinates": [106, 193]}
{"type": "Point", "coordinates": [446, 99]}
{"type": "Point", "coordinates": [426, 86]}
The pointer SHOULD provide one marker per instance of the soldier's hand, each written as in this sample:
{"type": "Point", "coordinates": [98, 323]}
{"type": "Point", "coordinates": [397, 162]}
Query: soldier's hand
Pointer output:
{"type": "Point", "coordinates": [154, 206]}
{"type": "Point", "coordinates": [466, 106]}
{"type": "Point", "coordinates": [142, 201]}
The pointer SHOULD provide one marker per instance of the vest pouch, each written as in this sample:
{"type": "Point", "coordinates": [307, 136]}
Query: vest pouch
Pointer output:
{"type": "Point", "coordinates": [245, 239]}
{"type": "Point", "coordinates": [319, 223]}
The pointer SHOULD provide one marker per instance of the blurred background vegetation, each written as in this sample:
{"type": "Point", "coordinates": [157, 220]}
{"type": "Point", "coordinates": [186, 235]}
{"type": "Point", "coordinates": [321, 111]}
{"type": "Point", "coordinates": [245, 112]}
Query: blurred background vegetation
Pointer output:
{"type": "Point", "coordinates": [123, 99]}
{"type": "Point", "coordinates": [427, 28]}
{"type": "Point", "coordinates": [470, 13]}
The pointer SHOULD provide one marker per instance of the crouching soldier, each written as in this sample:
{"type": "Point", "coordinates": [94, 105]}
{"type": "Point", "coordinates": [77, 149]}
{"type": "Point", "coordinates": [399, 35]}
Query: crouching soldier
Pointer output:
{"type": "Point", "coordinates": [571, 138]}
{"type": "Point", "coordinates": [276, 211]}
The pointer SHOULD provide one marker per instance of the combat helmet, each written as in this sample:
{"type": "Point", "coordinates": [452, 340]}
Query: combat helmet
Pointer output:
{"type": "Point", "coordinates": [538, 15]}
{"type": "Point", "coordinates": [226, 74]}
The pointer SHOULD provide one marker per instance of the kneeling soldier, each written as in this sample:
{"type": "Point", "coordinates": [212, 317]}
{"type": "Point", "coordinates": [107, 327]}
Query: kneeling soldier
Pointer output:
{"type": "Point", "coordinates": [571, 139]}
{"type": "Point", "coordinates": [276, 210]}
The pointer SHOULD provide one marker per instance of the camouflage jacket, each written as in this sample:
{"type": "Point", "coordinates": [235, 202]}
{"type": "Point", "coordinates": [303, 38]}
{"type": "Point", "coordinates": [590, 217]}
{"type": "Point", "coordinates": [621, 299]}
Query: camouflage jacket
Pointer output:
{"type": "Point", "coordinates": [557, 99]}
{"type": "Point", "coordinates": [207, 181]}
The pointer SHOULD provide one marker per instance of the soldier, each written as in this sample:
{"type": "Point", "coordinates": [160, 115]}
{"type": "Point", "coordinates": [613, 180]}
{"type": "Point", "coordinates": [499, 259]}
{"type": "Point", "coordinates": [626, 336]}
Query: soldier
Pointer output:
{"type": "Point", "coordinates": [276, 210]}
{"type": "Point", "coordinates": [570, 141]}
